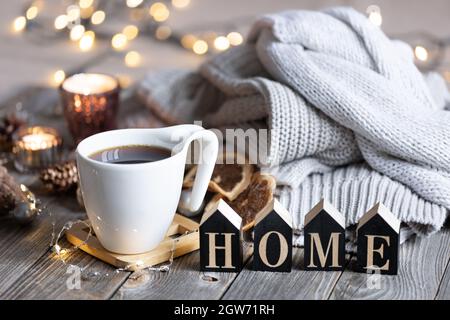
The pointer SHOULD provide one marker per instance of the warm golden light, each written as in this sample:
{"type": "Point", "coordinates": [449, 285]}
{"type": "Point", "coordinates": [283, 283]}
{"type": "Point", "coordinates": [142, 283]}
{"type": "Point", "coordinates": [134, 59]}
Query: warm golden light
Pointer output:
{"type": "Point", "coordinates": [87, 13]}
{"type": "Point", "coordinates": [73, 13]}
{"type": "Point", "coordinates": [221, 43]}
{"type": "Point", "coordinates": [163, 32]}
{"type": "Point", "coordinates": [119, 41]}
{"type": "Point", "coordinates": [200, 47]}
{"type": "Point", "coordinates": [235, 38]}
{"type": "Point", "coordinates": [188, 41]}
{"type": "Point", "coordinates": [38, 140]}
{"type": "Point", "coordinates": [159, 11]}
{"type": "Point", "coordinates": [84, 4]}
{"type": "Point", "coordinates": [130, 32]}
{"type": "Point", "coordinates": [58, 77]}
{"type": "Point", "coordinates": [180, 3]}
{"type": "Point", "coordinates": [157, 6]}
{"type": "Point", "coordinates": [61, 22]}
{"type": "Point", "coordinates": [77, 32]}
{"type": "Point", "coordinates": [19, 23]}
{"type": "Point", "coordinates": [374, 15]}
{"type": "Point", "coordinates": [87, 41]}
{"type": "Point", "coordinates": [447, 76]}
{"type": "Point", "coordinates": [132, 59]}
{"type": "Point", "coordinates": [421, 53]}
{"type": "Point", "coordinates": [98, 17]}
{"type": "Point", "coordinates": [124, 80]}
{"type": "Point", "coordinates": [133, 3]}
{"type": "Point", "coordinates": [32, 12]}
{"type": "Point", "coordinates": [376, 18]}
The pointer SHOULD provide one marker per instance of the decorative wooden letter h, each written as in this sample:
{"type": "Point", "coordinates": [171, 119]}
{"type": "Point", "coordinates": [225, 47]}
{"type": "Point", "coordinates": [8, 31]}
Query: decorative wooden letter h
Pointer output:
{"type": "Point", "coordinates": [324, 236]}
{"type": "Point", "coordinates": [220, 239]}
{"type": "Point", "coordinates": [377, 240]}
{"type": "Point", "coordinates": [273, 239]}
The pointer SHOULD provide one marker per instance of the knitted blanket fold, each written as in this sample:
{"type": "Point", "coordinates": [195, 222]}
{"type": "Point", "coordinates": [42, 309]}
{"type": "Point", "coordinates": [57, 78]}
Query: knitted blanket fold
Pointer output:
{"type": "Point", "coordinates": [350, 117]}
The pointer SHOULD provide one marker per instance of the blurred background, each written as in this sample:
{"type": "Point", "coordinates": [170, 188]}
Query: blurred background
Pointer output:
{"type": "Point", "coordinates": [43, 41]}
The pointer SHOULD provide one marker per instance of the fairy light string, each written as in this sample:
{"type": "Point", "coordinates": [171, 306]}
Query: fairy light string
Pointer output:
{"type": "Point", "coordinates": [80, 21]}
{"type": "Point", "coordinates": [62, 254]}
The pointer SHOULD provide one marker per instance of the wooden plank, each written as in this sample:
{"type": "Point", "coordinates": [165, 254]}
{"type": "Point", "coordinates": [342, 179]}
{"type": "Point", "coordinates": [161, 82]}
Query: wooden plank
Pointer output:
{"type": "Point", "coordinates": [444, 286]}
{"type": "Point", "coordinates": [22, 246]}
{"type": "Point", "coordinates": [422, 262]}
{"type": "Point", "coordinates": [183, 281]}
{"type": "Point", "coordinates": [298, 284]}
{"type": "Point", "coordinates": [48, 277]}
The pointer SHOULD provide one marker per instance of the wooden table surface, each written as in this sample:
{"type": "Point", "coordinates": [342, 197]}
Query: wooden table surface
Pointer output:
{"type": "Point", "coordinates": [29, 269]}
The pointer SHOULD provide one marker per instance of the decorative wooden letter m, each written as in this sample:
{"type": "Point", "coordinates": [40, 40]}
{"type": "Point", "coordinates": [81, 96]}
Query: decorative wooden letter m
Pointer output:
{"type": "Point", "coordinates": [324, 238]}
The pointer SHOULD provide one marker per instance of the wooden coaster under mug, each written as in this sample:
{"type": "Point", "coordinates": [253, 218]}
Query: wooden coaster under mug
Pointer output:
{"type": "Point", "coordinates": [182, 230]}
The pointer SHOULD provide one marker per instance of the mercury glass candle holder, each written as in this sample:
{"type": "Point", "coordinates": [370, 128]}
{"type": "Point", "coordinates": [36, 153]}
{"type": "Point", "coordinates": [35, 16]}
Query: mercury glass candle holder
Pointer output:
{"type": "Point", "coordinates": [36, 148]}
{"type": "Point", "coordinates": [90, 102]}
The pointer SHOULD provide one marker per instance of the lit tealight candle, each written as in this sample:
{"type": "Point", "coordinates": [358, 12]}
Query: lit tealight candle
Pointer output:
{"type": "Point", "coordinates": [36, 148]}
{"type": "Point", "coordinates": [90, 103]}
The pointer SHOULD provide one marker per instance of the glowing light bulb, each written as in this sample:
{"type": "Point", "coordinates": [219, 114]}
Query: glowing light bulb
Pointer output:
{"type": "Point", "coordinates": [132, 59]}
{"type": "Point", "coordinates": [77, 32]}
{"type": "Point", "coordinates": [163, 32]}
{"type": "Point", "coordinates": [374, 15]}
{"type": "Point", "coordinates": [57, 248]}
{"type": "Point", "coordinates": [130, 32]}
{"type": "Point", "coordinates": [447, 76]}
{"type": "Point", "coordinates": [98, 17]}
{"type": "Point", "coordinates": [180, 3]}
{"type": "Point", "coordinates": [19, 23]}
{"type": "Point", "coordinates": [73, 13]}
{"type": "Point", "coordinates": [124, 80]}
{"type": "Point", "coordinates": [188, 41]}
{"type": "Point", "coordinates": [58, 77]}
{"type": "Point", "coordinates": [200, 47]}
{"type": "Point", "coordinates": [87, 41]}
{"type": "Point", "coordinates": [221, 43]}
{"type": "Point", "coordinates": [235, 38]}
{"type": "Point", "coordinates": [86, 13]}
{"type": "Point", "coordinates": [119, 41]}
{"type": "Point", "coordinates": [84, 4]}
{"type": "Point", "coordinates": [139, 263]}
{"type": "Point", "coordinates": [159, 11]}
{"type": "Point", "coordinates": [133, 3]}
{"type": "Point", "coordinates": [61, 22]}
{"type": "Point", "coordinates": [421, 53]}
{"type": "Point", "coordinates": [32, 12]}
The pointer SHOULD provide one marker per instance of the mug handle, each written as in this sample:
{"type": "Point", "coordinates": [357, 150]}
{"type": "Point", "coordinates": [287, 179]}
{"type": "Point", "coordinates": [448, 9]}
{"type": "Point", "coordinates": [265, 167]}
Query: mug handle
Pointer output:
{"type": "Point", "coordinates": [209, 146]}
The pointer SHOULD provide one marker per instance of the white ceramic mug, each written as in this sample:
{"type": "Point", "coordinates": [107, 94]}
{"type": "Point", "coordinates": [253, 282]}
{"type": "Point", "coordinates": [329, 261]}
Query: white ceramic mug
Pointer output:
{"type": "Point", "coordinates": [131, 206]}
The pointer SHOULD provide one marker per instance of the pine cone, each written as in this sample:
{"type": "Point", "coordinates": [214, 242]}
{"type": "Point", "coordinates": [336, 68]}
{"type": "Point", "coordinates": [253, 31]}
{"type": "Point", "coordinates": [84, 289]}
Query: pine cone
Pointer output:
{"type": "Point", "coordinates": [10, 192]}
{"type": "Point", "coordinates": [8, 126]}
{"type": "Point", "coordinates": [61, 177]}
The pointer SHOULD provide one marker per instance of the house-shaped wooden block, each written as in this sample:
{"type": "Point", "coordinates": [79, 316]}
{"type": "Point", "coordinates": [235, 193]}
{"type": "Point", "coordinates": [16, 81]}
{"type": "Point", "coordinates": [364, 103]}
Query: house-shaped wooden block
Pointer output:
{"type": "Point", "coordinates": [324, 238]}
{"type": "Point", "coordinates": [377, 240]}
{"type": "Point", "coordinates": [220, 239]}
{"type": "Point", "coordinates": [273, 239]}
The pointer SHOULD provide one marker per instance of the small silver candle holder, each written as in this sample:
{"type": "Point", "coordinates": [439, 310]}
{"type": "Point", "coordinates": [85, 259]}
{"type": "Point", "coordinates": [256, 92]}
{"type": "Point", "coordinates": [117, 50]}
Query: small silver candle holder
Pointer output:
{"type": "Point", "coordinates": [36, 148]}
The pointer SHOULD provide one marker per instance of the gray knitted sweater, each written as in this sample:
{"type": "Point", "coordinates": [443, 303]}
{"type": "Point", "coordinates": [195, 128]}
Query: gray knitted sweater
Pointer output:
{"type": "Point", "coordinates": [351, 118]}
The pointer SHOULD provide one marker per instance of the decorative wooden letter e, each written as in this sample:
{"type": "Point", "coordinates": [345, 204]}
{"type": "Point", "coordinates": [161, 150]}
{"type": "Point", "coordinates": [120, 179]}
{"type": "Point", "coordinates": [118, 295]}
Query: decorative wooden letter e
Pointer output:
{"type": "Point", "coordinates": [324, 236]}
{"type": "Point", "coordinates": [377, 240]}
{"type": "Point", "coordinates": [273, 239]}
{"type": "Point", "coordinates": [220, 239]}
